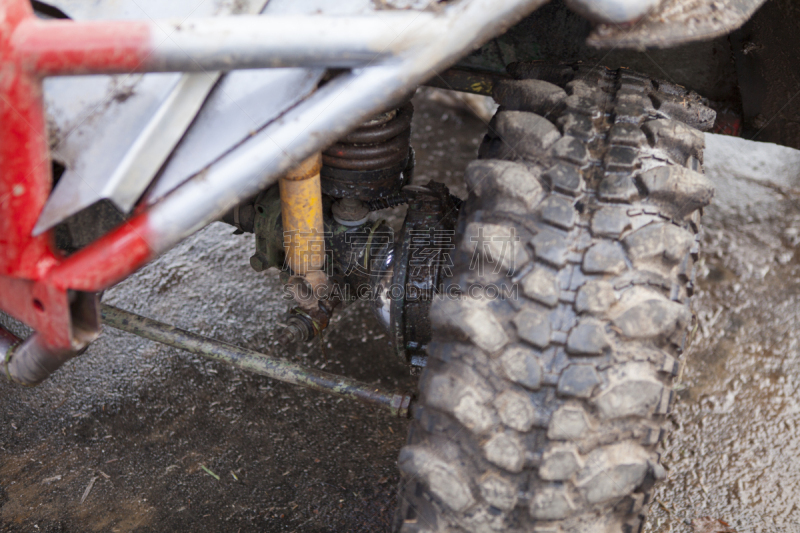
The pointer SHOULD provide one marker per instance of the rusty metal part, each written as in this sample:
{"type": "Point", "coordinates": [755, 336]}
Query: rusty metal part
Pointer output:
{"type": "Point", "coordinates": [401, 277]}
{"type": "Point", "coordinates": [467, 80]}
{"type": "Point", "coordinates": [242, 217]}
{"type": "Point", "coordinates": [305, 324]}
{"type": "Point", "coordinates": [403, 198]}
{"type": "Point", "coordinates": [297, 328]}
{"type": "Point", "coordinates": [349, 250]}
{"type": "Point", "coordinates": [676, 22]}
{"type": "Point", "coordinates": [376, 144]}
{"type": "Point", "coordinates": [370, 162]}
{"type": "Point", "coordinates": [355, 252]}
{"type": "Point", "coordinates": [32, 361]}
{"type": "Point", "coordinates": [378, 129]}
{"type": "Point", "coordinates": [309, 289]}
{"type": "Point", "coordinates": [381, 154]}
{"type": "Point", "coordinates": [421, 260]}
{"type": "Point", "coordinates": [396, 403]}
{"type": "Point", "coordinates": [387, 203]}
{"type": "Point", "coordinates": [350, 212]}
{"type": "Point", "coordinates": [363, 185]}
{"type": "Point", "coordinates": [301, 212]}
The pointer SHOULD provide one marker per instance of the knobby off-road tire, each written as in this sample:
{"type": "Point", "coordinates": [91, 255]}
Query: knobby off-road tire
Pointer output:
{"type": "Point", "coordinates": [543, 412]}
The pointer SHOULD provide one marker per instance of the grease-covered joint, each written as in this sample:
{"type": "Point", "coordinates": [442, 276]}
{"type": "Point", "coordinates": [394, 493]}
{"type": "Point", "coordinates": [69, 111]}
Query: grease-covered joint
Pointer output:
{"type": "Point", "coordinates": [297, 328]}
{"type": "Point", "coordinates": [242, 217]}
{"type": "Point", "coordinates": [305, 324]}
{"type": "Point", "coordinates": [31, 361]}
{"type": "Point", "coordinates": [350, 212]}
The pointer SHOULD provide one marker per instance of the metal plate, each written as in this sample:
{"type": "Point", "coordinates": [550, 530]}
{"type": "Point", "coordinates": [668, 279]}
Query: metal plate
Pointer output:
{"type": "Point", "coordinates": [241, 104]}
{"type": "Point", "coordinates": [113, 133]}
{"type": "Point", "coordinates": [92, 123]}
{"type": "Point", "coordinates": [677, 22]}
{"type": "Point", "coordinates": [244, 101]}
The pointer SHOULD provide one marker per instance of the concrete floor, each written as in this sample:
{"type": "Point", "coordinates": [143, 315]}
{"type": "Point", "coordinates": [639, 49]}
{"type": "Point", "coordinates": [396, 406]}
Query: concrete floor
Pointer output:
{"type": "Point", "coordinates": [120, 438]}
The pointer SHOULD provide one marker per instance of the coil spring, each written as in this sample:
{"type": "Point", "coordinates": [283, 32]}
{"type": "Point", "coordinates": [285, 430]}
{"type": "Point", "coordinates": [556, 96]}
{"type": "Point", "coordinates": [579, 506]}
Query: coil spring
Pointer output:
{"type": "Point", "coordinates": [387, 203]}
{"type": "Point", "coordinates": [379, 143]}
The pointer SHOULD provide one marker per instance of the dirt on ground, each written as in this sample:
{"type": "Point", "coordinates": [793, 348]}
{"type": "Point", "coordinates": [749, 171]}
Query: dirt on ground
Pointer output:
{"type": "Point", "coordinates": [135, 436]}
{"type": "Point", "coordinates": [733, 450]}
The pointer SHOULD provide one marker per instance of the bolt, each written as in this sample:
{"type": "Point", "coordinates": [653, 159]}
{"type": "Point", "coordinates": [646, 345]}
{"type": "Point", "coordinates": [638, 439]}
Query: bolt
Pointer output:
{"type": "Point", "coordinates": [350, 212]}
{"type": "Point", "coordinates": [258, 263]}
{"type": "Point", "coordinates": [296, 329]}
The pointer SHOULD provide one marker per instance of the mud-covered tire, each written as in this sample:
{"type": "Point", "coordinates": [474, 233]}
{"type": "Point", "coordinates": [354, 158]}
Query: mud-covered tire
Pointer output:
{"type": "Point", "coordinates": [549, 378]}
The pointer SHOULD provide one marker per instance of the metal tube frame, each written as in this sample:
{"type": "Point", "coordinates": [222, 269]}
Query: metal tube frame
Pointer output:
{"type": "Point", "coordinates": [61, 47]}
{"type": "Point", "coordinates": [394, 53]}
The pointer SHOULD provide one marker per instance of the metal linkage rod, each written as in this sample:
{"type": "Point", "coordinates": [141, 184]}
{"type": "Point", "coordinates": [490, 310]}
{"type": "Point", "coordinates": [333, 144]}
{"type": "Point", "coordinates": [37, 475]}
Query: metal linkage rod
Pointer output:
{"type": "Point", "coordinates": [258, 363]}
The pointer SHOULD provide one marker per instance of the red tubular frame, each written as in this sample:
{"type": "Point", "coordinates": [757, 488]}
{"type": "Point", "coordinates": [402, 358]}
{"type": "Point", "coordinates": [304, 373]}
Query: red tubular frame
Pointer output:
{"type": "Point", "coordinates": [35, 279]}
{"type": "Point", "coordinates": [54, 47]}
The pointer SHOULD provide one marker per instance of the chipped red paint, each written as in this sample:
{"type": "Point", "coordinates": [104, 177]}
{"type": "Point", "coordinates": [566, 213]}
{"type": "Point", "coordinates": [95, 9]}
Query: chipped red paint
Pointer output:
{"type": "Point", "coordinates": [728, 123]}
{"type": "Point", "coordinates": [24, 159]}
{"type": "Point", "coordinates": [43, 307]}
{"type": "Point", "coordinates": [107, 260]}
{"type": "Point", "coordinates": [34, 279]}
{"type": "Point", "coordinates": [67, 47]}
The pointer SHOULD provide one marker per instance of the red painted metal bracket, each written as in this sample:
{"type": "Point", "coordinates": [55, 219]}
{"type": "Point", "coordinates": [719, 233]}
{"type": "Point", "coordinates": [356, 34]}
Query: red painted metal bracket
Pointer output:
{"type": "Point", "coordinates": [38, 286]}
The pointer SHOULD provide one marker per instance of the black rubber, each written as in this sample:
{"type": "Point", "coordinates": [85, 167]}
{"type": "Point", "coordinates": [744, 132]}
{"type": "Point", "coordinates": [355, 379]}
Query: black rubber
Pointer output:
{"type": "Point", "coordinates": [541, 410]}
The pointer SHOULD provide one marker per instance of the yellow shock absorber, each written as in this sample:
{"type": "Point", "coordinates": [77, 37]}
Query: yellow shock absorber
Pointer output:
{"type": "Point", "coordinates": [301, 211]}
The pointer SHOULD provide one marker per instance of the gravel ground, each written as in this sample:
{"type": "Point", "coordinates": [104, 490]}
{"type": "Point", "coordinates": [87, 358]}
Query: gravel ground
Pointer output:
{"type": "Point", "coordinates": [134, 436]}
{"type": "Point", "coordinates": [733, 452]}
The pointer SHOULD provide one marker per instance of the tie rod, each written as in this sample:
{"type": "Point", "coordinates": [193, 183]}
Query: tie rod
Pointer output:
{"type": "Point", "coordinates": [266, 365]}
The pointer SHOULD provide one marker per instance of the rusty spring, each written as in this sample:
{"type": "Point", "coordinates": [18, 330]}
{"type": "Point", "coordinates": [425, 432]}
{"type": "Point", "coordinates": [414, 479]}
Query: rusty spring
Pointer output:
{"type": "Point", "coordinates": [400, 199]}
{"type": "Point", "coordinates": [379, 143]}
